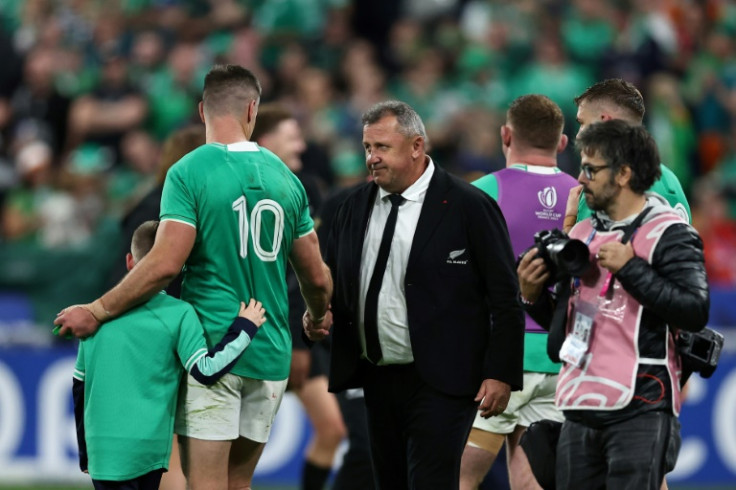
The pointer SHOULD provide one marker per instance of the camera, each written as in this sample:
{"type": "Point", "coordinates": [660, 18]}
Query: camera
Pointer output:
{"type": "Point", "coordinates": [699, 351]}
{"type": "Point", "coordinates": [563, 256]}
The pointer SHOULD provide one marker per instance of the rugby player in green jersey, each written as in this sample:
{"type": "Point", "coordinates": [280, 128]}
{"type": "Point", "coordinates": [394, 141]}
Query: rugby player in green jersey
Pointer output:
{"type": "Point", "coordinates": [618, 99]}
{"type": "Point", "coordinates": [232, 214]}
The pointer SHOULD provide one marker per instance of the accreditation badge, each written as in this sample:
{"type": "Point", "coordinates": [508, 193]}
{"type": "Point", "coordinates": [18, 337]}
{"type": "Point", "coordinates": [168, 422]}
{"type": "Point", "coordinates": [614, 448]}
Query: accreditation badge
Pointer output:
{"type": "Point", "coordinates": [577, 342]}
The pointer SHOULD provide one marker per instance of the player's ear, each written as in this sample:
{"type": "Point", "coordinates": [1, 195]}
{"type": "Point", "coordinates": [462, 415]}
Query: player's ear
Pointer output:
{"type": "Point", "coordinates": [201, 111]}
{"type": "Point", "coordinates": [562, 144]}
{"type": "Point", "coordinates": [505, 136]}
{"type": "Point", "coordinates": [129, 261]}
{"type": "Point", "coordinates": [252, 110]}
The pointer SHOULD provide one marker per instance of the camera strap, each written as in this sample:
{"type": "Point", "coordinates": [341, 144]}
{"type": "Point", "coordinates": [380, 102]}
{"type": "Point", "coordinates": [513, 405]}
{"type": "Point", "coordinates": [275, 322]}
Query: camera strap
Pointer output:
{"type": "Point", "coordinates": [631, 228]}
{"type": "Point", "coordinates": [556, 336]}
{"type": "Point", "coordinates": [629, 232]}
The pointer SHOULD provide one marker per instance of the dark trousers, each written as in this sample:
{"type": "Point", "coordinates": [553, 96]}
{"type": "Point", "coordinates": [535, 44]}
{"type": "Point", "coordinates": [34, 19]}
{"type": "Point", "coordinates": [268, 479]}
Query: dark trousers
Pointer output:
{"type": "Point", "coordinates": [149, 481]}
{"type": "Point", "coordinates": [417, 434]}
{"type": "Point", "coordinates": [356, 471]}
{"type": "Point", "coordinates": [633, 454]}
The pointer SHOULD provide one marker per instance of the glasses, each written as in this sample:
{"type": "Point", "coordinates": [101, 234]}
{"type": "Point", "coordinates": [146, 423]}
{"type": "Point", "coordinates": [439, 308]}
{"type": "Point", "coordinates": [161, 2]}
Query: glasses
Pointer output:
{"type": "Point", "coordinates": [589, 170]}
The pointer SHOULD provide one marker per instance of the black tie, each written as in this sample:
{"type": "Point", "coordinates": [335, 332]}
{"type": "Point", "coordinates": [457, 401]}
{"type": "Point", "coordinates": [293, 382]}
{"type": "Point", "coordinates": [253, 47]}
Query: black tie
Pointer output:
{"type": "Point", "coordinates": [372, 345]}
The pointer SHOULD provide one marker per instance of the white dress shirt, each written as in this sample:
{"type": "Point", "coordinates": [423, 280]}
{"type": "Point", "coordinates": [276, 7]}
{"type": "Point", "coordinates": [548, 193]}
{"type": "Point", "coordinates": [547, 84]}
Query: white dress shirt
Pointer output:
{"type": "Point", "coordinates": [392, 321]}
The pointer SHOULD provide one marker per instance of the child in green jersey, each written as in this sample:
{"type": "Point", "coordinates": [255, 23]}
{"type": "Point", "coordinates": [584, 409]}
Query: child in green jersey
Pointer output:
{"type": "Point", "coordinates": [127, 378]}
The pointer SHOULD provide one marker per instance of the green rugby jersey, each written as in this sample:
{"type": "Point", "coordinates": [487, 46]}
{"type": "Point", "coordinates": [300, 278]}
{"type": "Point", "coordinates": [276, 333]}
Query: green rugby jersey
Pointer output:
{"type": "Point", "coordinates": [248, 208]}
{"type": "Point", "coordinates": [131, 369]}
{"type": "Point", "coordinates": [666, 186]}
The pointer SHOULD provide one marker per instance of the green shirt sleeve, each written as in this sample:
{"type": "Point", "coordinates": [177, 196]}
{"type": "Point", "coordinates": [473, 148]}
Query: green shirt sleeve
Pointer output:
{"type": "Point", "coordinates": [669, 187]}
{"type": "Point", "coordinates": [583, 209]}
{"type": "Point", "coordinates": [191, 345]}
{"type": "Point", "coordinates": [305, 223]}
{"type": "Point", "coordinates": [177, 201]}
{"type": "Point", "coordinates": [488, 184]}
{"type": "Point", "coordinates": [79, 369]}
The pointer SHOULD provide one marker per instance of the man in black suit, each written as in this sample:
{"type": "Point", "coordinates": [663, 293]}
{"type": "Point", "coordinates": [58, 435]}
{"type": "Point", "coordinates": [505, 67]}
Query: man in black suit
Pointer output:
{"type": "Point", "coordinates": [425, 309]}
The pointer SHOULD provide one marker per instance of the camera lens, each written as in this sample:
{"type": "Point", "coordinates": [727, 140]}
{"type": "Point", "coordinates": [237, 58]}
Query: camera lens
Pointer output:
{"type": "Point", "coordinates": [574, 257]}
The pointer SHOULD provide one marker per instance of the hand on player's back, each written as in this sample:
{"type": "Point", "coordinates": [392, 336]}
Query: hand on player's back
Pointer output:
{"type": "Point", "coordinates": [253, 312]}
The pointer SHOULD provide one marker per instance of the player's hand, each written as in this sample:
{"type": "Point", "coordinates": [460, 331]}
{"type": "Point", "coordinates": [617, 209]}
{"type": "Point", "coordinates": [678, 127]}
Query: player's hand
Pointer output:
{"type": "Point", "coordinates": [301, 360]}
{"type": "Point", "coordinates": [573, 200]}
{"type": "Point", "coordinates": [614, 255]}
{"type": "Point", "coordinates": [493, 397]}
{"type": "Point", "coordinates": [533, 274]}
{"type": "Point", "coordinates": [317, 330]}
{"type": "Point", "coordinates": [76, 320]}
{"type": "Point", "coordinates": [571, 208]}
{"type": "Point", "coordinates": [253, 312]}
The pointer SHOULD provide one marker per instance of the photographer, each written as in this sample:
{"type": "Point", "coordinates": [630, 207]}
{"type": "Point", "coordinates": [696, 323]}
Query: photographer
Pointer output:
{"type": "Point", "coordinates": [614, 327]}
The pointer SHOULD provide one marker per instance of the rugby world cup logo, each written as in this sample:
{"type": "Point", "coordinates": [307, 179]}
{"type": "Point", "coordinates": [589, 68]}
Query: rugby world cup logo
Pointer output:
{"type": "Point", "coordinates": [547, 197]}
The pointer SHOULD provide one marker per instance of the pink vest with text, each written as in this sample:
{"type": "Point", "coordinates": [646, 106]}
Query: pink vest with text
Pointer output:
{"type": "Point", "coordinates": [607, 377]}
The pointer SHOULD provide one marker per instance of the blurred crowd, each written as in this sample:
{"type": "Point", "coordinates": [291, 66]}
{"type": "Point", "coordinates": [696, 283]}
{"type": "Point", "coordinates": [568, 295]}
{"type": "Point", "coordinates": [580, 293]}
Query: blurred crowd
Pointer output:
{"type": "Point", "coordinates": [90, 89]}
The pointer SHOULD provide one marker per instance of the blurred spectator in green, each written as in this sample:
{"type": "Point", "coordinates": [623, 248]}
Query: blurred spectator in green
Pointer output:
{"type": "Point", "coordinates": [147, 56]}
{"type": "Point", "coordinates": [327, 51]}
{"type": "Point", "coordinates": [423, 84]}
{"type": "Point", "coordinates": [550, 73]}
{"type": "Point", "coordinates": [406, 44]}
{"type": "Point", "coordinates": [291, 66]}
{"type": "Point", "coordinates": [84, 177]}
{"type": "Point", "coordinates": [479, 144]}
{"type": "Point", "coordinates": [112, 108]}
{"type": "Point", "coordinates": [364, 83]}
{"type": "Point", "coordinates": [22, 218]}
{"type": "Point", "coordinates": [297, 18]}
{"type": "Point", "coordinates": [669, 122]}
{"type": "Point", "coordinates": [175, 90]}
{"type": "Point", "coordinates": [587, 30]}
{"type": "Point", "coordinates": [480, 81]}
{"type": "Point", "coordinates": [287, 21]}
{"type": "Point", "coordinates": [244, 49]}
{"type": "Point", "coordinates": [75, 78]}
{"type": "Point", "coordinates": [10, 15]}
{"type": "Point", "coordinates": [39, 212]}
{"type": "Point", "coordinates": [130, 181]}
{"type": "Point", "coordinates": [316, 107]}
{"type": "Point", "coordinates": [506, 26]}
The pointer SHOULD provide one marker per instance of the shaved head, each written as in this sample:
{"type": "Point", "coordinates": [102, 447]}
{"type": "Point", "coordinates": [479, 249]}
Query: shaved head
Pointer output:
{"type": "Point", "coordinates": [228, 89]}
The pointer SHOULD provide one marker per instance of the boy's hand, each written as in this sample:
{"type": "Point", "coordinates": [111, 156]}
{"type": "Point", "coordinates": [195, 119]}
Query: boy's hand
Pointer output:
{"type": "Point", "coordinates": [253, 312]}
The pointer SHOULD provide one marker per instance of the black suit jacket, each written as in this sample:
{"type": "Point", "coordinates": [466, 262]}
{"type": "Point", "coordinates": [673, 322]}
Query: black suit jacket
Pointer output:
{"type": "Point", "coordinates": [465, 322]}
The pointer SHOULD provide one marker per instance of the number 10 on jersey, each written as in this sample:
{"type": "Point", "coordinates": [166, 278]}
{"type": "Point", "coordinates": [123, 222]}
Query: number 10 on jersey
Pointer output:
{"type": "Point", "coordinates": [254, 227]}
